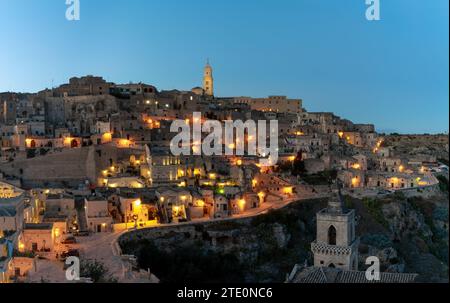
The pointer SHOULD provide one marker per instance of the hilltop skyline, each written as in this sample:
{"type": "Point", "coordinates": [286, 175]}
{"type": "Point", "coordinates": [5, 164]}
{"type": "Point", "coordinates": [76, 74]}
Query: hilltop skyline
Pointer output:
{"type": "Point", "coordinates": [325, 53]}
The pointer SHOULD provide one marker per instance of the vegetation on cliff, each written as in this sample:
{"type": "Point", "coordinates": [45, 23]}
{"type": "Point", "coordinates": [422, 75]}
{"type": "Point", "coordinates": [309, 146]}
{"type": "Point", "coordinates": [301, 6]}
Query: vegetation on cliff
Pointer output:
{"type": "Point", "coordinates": [407, 234]}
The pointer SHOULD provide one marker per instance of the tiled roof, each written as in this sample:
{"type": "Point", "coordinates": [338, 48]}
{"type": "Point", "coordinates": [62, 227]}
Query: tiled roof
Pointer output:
{"type": "Point", "coordinates": [332, 275]}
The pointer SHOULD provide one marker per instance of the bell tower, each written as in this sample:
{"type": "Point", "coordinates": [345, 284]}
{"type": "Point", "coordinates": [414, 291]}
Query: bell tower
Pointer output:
{"type": "Point", "coordinates": [336, 244]}
{"type": "Point", "coordinates": [208, 80]}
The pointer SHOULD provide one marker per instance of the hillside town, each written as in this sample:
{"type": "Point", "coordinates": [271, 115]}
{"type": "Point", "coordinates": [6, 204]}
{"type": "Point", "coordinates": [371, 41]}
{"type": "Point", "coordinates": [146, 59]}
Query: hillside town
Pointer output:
{"type": "Point", "coordinates": [87, 161]}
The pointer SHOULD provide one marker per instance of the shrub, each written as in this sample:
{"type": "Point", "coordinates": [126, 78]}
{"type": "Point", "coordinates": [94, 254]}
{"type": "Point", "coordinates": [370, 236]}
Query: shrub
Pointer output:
{"type": "Point", "coordinates": [190, 264]}
{"type": "Point", "coordinates": [375, 208]}
{"type": "Point", "coordinates": [380, 241]}
{"type": "Point", "coordinates": [443, 183]}
{"type": "Point", "coordinates": [96, 271]}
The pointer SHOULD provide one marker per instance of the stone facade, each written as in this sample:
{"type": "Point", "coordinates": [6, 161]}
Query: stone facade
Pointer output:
{"type": "Point", "coordinates": [336, 245]}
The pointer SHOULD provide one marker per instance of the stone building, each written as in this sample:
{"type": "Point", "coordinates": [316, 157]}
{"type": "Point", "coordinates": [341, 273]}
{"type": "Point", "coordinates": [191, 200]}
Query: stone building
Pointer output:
{"type": "Point", "coordinates": [336, 252]}
{"type": "Point", "coordinates": [88, 85]}
{"type": "Point", "coordinates": [12, 201]}
{"type": "Point", "coordinates": [336, 245]}
{"type": "Point", "coordinates": [279, 104]}
{"type": "Point", "coordinates": [208, 80]}
{"type": "Point", "coordinates": [8, 111]}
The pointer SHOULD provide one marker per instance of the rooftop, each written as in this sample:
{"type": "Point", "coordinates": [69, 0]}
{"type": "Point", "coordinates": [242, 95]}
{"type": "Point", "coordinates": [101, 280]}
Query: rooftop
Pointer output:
{"type": "Point", "coordinates": [39, 226]}
{"type": "Point", "coordinates": [333, 275]}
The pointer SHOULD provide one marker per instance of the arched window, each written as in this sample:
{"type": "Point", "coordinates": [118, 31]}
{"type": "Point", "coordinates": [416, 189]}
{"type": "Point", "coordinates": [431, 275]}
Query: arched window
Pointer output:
{"type": "Point", "coordinates": [331, 265]}
{"type": "Point", "coordinates": [332, 235]}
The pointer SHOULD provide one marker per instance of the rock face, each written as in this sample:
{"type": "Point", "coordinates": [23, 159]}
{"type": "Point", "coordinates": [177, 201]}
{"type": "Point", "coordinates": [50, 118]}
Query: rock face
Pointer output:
{"type": "Point", "coordinates": [416, 238]}
{"type": "Point", "coordinates": [281, 236]}
{"type": "Point", "coordinates": [404, 220]}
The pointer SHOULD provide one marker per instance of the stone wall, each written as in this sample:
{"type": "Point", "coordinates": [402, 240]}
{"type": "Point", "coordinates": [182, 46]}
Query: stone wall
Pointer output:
{"type": "Point", "coordinates": [73, 166]}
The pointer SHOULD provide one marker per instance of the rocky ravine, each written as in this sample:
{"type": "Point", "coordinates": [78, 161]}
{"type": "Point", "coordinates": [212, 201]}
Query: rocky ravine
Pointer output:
{"type": "Point", "coordinates": [408, 235]}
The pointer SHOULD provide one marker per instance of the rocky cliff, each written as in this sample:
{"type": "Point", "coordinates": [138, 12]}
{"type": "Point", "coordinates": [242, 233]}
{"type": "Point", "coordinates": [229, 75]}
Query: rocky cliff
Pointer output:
{"type": "Point", "coordinates": [407, 234]}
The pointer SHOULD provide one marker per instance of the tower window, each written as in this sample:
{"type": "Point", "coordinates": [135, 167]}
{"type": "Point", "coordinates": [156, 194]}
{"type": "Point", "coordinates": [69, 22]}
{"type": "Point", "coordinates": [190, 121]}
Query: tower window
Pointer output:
{"type": "Point", "coordinates": [332, 235]}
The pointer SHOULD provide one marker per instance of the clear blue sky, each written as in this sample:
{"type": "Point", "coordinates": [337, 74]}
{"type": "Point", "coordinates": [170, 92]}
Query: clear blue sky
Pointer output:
{"type": "Point", "coordinates": [393, 72]}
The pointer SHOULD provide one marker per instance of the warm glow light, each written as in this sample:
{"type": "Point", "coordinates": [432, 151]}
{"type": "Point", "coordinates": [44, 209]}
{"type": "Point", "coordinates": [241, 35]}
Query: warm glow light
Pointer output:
{"type": "Point", "coordinates": [288, 190]}
{"type": "Point", "coordinates": [292, 158]}
{"type": "Point", "coordinates": [137, 203]}
{"type": "Point", "coordinates": [356, 166]}
{"type": "Point", "coordinates": [212, 176]}
{"type": "Point", "coordinates": [107, 137]}
{"type": "Point", "coordinates": [182, 184]}
{"type": "Point", "coordinates": [231, 146]}
{"type": "Point", "coordinates": [242, 203]}
{"type": "Point", "coordinates": [401, 168]}
{"type": "Point", "coordinates": [68, 141]}
{"type": "Point", "coordinates": [124, 143]}
{"type": "Point", "coordinates": [200, 203]}
{"type": "Point", "coordinates": [254, 182]}
{"type": "Point", "coordinates": [341, 134]}
{"type": "Point", "coordinates": [57, 233]}
{"type": "Point", "coordinates": [239, 162]}
{"type": "Point", "coordinates": [394, 180]}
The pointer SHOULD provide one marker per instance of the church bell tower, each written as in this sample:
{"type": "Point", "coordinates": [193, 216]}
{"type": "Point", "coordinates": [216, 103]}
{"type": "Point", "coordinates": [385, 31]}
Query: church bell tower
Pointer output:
{"type": "Point", "coordinates": [208, 80]}
{"type": "Point", "coordinates": [336, 245]}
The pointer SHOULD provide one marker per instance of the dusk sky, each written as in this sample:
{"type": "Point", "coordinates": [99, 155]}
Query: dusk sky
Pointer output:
{"type": "Point", "coordinates": [393, 73]}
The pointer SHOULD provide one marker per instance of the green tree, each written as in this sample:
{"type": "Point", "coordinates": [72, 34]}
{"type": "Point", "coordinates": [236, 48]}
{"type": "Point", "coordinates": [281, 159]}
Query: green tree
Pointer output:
{"type": "Point", "coordinates": [298, 167]}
